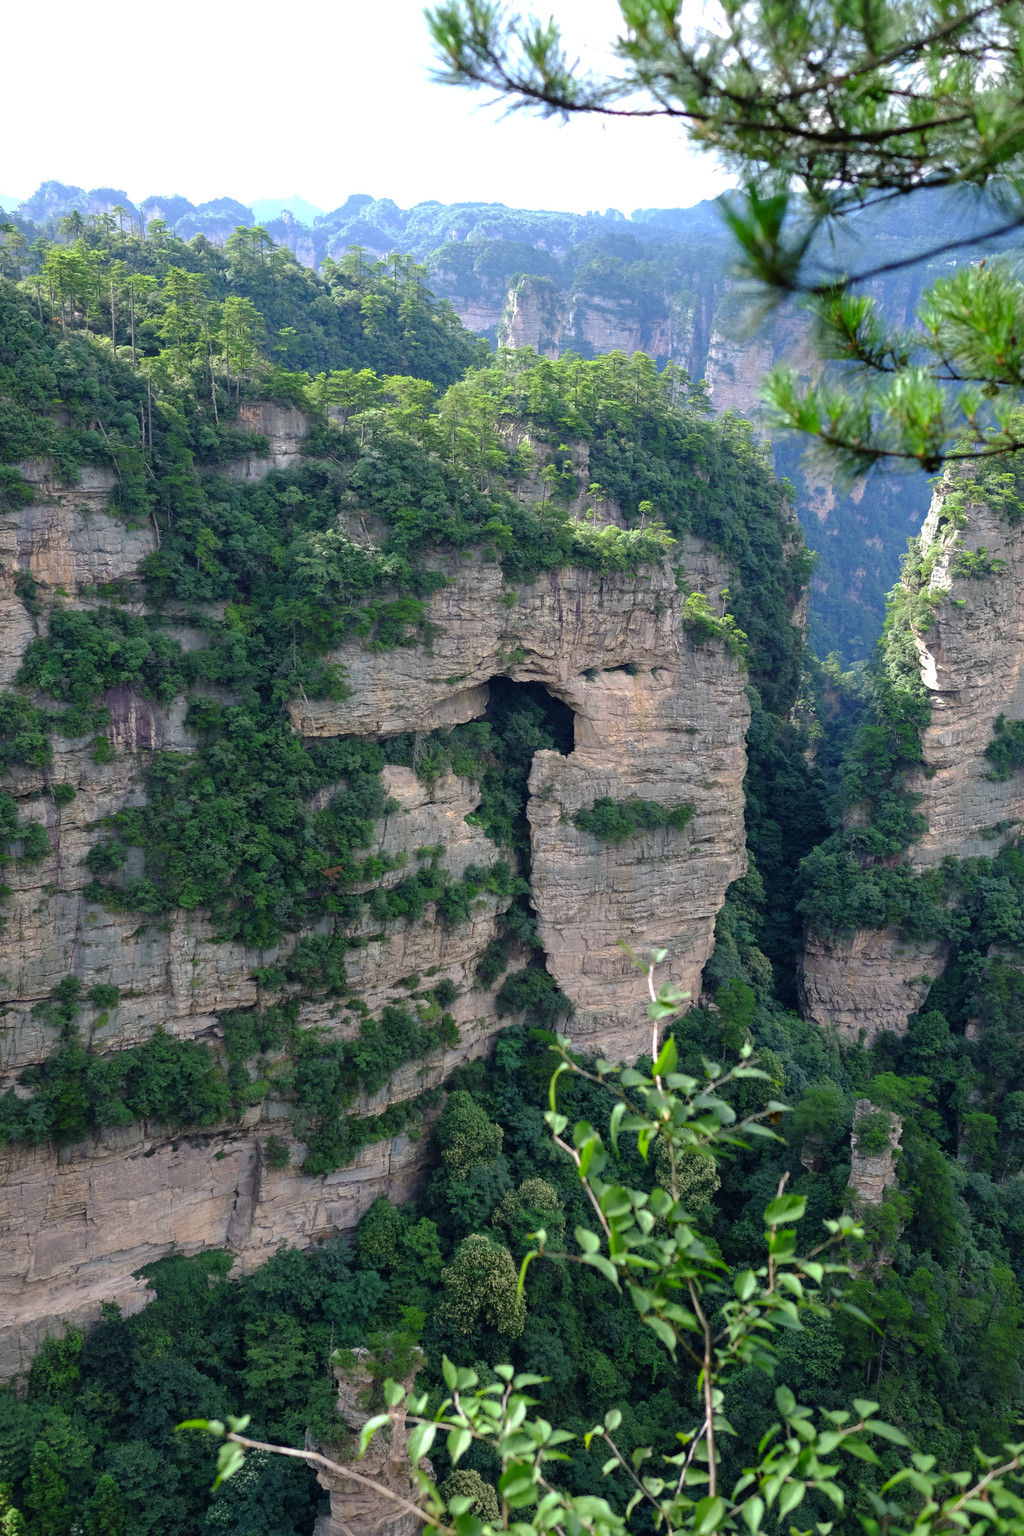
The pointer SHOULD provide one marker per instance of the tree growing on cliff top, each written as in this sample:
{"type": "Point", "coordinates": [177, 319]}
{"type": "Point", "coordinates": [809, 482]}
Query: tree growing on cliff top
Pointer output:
{"type": "Point", "coordinates": [828, 113]}
{"type": "Point", "coordinates": [712, 1321]}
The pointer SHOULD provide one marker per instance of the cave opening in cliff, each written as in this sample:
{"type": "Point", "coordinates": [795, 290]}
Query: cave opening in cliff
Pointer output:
{"type": "Point", "coordinates": [524, 719]}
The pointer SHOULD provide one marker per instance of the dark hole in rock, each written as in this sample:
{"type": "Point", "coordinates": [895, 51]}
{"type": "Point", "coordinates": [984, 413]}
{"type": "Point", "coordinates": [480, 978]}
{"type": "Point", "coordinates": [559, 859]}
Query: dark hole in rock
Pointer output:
{"type": "Point", "coordinates": [524, 719]}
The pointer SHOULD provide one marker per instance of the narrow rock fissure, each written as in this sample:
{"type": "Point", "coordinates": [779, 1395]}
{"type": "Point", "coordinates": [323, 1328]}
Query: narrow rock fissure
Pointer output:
{"type": "Point", "coordinates": [527, 719]}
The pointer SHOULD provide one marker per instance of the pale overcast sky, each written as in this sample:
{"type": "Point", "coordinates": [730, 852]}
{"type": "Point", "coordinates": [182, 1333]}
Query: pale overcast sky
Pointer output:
{"type": "Point", "coordinates": [318, 99]}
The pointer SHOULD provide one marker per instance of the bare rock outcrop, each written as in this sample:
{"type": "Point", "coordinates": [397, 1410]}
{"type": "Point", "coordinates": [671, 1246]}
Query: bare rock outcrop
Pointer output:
{"type": "Point", "coordinates": [77, 1226]}
{"type": "Point", "coordinates": [286, 429]}
{"type": "Point", "coordinates": [533, 317]}
{"type": "Point", "coordinates": [971, 657]}
{"type": "Point", "coordinates": [972, 663]}
{"type": "Point", "coordinates": [655, 717]}
{"type": "Point", "coordinates": [873, 1168]}
{"type": "Point", "coordinates": [356, 1510]}
{"type": "Point", "coordinates": [68, 542]}
{"type": "Point", "coordinates": [867, 981]}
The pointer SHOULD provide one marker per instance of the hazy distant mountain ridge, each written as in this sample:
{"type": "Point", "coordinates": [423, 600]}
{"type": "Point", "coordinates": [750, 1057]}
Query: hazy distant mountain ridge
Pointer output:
{"type": "Point", "coordinates": [659, 282]}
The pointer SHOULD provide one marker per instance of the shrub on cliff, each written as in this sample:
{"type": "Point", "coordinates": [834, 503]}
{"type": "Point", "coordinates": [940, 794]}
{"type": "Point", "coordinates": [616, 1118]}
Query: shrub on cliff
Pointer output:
{"type": "Point", "coordinates": [616, 821]}
{"type": "Point", "coordinates": [465, 1135]}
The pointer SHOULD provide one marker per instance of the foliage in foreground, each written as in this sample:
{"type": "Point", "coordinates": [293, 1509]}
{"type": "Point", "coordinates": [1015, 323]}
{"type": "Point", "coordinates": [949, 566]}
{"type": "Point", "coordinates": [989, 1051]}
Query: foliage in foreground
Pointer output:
{"type": "Point", "coordinates": [827, 113]}
{"type": "Point", "coordinates": [647, 1244]}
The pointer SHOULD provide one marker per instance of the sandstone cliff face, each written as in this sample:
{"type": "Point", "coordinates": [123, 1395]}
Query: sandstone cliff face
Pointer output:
{"type": "Point", "coordinates": [76, 1225]}
{"type": "Point", "coordinates": [76, 1222]}
{"type": "Point", "coordinates": [867, 981]}
{"type": "Point", "coordinates": [284, 426]}
{"type": "Point", "coordinates": [533, 317]}
{"type": "Point", "coordinates": [872, 1173]}
{"type": "Point", "coordinates": [972, 663]}
{"type": "Point", "coordinates": [655, 716]}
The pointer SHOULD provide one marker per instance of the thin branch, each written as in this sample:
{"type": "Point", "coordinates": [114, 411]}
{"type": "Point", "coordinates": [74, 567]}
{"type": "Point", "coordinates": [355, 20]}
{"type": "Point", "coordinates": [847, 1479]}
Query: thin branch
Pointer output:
{"type": "Point", "coordinates": [334, 1466]}
{"type": "Point", "coordinates": [586, 1185]}
{"type": "Point", "coordinates": [983, 1482]}
{"type": "Point", "coordinates": [623, 1463]}
{"type": "Point", "coordinates": [821, 290]}
{"type": "Point", "coordinates": [707, 1381]}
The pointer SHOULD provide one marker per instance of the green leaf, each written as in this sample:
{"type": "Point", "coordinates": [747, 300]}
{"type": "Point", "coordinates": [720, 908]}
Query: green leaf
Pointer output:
{"type": "Point", "coordinates": [420, 1441]}
{"type": "Point", "coordinates": [663, 1330]}
{"type": "Point", "coordinates": [605, 1266]}
{"type": "Point", "coordinates": [588, 1241]}
{"type": "Point", "coordinates": [831, 1491]}
{"type": "Point", "coordinates": [862, 1317]}
{"type": "Point", "coordinates": [668, 1058]}
{"type": "Point", "coordinates": [745, 1284]}
{"type": "Point", "coordinates": [887, 1432]}
{"type": "Point", "coordinates": [791, 1495]}
{"type": "Point", "coordinates": [449, 1372]}
{"type": "Point", "coordinates": [528, 1259]}
{"type": "Point", "coordinates": [784, 1208]}
{"type": "Point", "coordinates": [553, 1088]}
{"type": "Point", "coordinates": [708, 1515]}
{"type": "Point", "coordinates": [753, 1513]}
{"type": "Point", "coordinates": [860, 1448]}
{"type": "Point", "coordinates": [613, 1125]}
{"type": "Point", "coordinates": [459, 1442]}
{"type": "Point", "coordinates": [517, 1486]}
{"type": "Point", "coordinates": [785, 1401]}
{"type": "Point", "coordinates": [230, 1459]}
{"type": "Point", "coordinates": [370, 1428]}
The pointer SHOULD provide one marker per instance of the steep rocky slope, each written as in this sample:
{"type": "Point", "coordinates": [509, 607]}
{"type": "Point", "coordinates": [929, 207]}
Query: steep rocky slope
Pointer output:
{"type": "Point", "coordinates": [966, 625]}
{"type": "Point", "coordinates": [656, 715]}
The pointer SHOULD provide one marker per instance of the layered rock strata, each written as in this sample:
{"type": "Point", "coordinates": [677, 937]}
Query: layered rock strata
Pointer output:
{"type": "Point", "coordinates": [872, 1173]}
{"type": "Point", "coordinates": [867, 981]}
{"type": "Point", "coordinates": [655, 716]}
{"type": "Point", "coordinates": [356, 1510]}
{"type": "Point", "coordinates": [971, 658]}
{"type": "Point", "coordinates": [972, 663]}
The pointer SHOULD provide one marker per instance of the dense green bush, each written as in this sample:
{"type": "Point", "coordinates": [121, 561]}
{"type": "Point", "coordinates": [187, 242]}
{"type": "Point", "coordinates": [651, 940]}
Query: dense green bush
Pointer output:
{"type": "Point", "coordinates": [616, 821]}
{"type": "Point", "coordinates": [24, 734]}
{"type": "Point", "coordinates": [85, 653]}
{"type": "Point", "coordinates": [1006, 749]}
{"type": "Point", "coordinates": [75, 1092]}
{"type": "Point", "coordinates": [533, 991]}
{"type": "Point", "coordinates": [873, 1132]}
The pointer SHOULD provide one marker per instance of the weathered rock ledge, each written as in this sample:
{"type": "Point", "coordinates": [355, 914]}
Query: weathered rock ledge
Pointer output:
{"type": "Point", "coordinates": [655, 716]}
{"type": "Point", "coordinates": [972, 664]}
